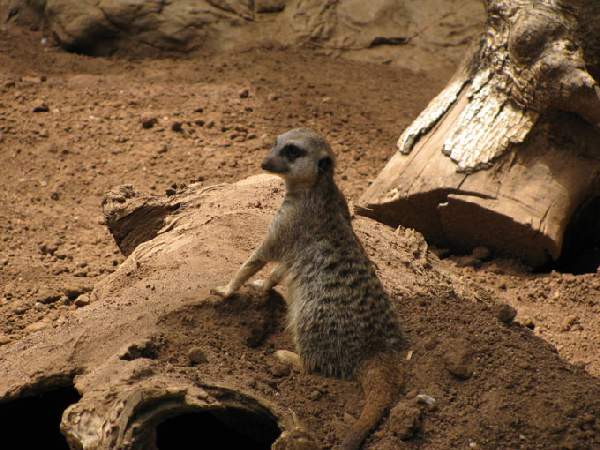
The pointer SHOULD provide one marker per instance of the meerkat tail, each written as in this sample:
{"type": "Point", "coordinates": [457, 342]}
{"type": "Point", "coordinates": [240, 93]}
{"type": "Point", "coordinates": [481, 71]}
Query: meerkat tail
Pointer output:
{"type": "Point", "coordinates": [380, 384]}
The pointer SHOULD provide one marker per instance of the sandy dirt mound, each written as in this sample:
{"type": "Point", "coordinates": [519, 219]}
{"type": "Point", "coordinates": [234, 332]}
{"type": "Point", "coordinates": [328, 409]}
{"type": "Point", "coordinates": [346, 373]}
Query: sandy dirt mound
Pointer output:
{"type": "Point", "coordinates": [152, 332]}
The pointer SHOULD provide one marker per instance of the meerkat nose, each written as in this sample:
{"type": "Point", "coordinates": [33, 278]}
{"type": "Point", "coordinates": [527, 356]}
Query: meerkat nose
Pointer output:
{"type": "Point", "coordinates": [274, 165]}
{"type": "Point", "coordinates": [265, 164]}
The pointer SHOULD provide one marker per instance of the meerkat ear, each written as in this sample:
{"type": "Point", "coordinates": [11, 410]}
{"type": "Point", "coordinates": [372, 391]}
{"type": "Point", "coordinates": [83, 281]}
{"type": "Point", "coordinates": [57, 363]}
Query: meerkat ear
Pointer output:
{"type": "Point", "coordinates": [325, 164]}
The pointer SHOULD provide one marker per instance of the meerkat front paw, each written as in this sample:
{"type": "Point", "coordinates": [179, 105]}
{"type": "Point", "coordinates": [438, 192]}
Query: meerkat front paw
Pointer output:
{"type": "Point", "coordinates": [290, 359]}
{"type": "Point", "coordinates": [222, 291]}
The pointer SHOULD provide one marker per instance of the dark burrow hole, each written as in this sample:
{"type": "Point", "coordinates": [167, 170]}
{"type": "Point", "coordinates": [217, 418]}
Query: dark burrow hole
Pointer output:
{"type": "Point", "coordinates": [218, 429]}
{"type": "Point", "coordinates": [581, 246]}
{"type": "Point", "coordinates": [34, 421]}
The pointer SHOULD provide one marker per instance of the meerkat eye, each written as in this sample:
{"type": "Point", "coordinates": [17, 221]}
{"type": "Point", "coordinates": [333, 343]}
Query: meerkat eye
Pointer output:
{"type": "Point", "coordinates": [292, 152]}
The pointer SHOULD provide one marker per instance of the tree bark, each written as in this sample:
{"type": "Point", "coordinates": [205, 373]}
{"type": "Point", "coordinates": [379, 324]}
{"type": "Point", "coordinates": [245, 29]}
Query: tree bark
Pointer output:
{"type": "Point", "coordinates": [508, 152]}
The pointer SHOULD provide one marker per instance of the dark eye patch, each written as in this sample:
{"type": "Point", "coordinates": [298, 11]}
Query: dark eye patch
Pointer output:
{"type": "Point", "coordinates": [292, 152]}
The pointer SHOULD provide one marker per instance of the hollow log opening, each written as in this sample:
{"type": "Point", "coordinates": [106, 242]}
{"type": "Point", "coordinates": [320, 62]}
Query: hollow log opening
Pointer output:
{"type": "Point", "coordinates": [34, 421]}
{"type": "Point", "coordinates": [581, 248]}
{"type": "Point", "coordinates": [224, 428]}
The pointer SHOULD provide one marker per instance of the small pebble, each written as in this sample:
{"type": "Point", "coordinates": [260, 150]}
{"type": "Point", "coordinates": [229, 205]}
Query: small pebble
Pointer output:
{"type": "Point", "coordinates": [82, 300]}
{"type": "Point", "coordinates": [426, 400]}
{"type": "Point", "coordinates": [506, 313]}
{"type": "Point", "coordinates": [36, 326]}
{"type": "Point", "coordinates": [41, 107]}
{"type": "Point", "coordinates": [148, 122]}
{"type": "Point", "coordinates": [279, 369]}
{"type": "Point", "coordinates": [196, 356]}
{"type": "Point", "coordinates": [315, 395]}
{"type": "Point", "coordinates": [47, 296]}
{"type": "Point", "coordinates": [74, 291]}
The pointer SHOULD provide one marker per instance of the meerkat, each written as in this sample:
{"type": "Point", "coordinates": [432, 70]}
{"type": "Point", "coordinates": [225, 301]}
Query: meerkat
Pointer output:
{"type": "Point", "coordinates": [339, 315]}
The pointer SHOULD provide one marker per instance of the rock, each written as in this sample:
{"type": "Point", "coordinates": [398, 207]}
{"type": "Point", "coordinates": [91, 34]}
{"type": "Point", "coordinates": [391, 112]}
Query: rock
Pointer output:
{"type": "Point", "coordinates": [426, 400]}
{"type": "Point", "coordinates": [146, 348]}
{"type": "Point", "coordinates": [570, 322]}
{"type": "Point", "coordinates": [4, 339]}
{"type": "Point", "coordinates": [19, 310]}
{"type": "Point", "coordinates": [528, 322]}
{"type": "Point", "coordinates": [47, 296]}
{"type": "Point", "coordinates": [244, 93]}
{"type": "Point", "coordinates": [146, 27]}
{"type": "Point", "coordinates": [33, 79]}
{"type": "Point", "coordinates": [55, 196]}
{"type": "Point", "coordinates": [75, 290]}
{"type": "Point", "coordinates": [177, 127]}
{"type": "Point", "coordinates": [40, 107]}
{"type": "Point", "coordinates": [196, 356]}
{"type": "Point", "coordinates": [37, 326]}
{"type": "Point", "coordinates": [315, 395]}
{"type": "Point", "coordinates": [405, 420]}
{"type": "Point", "coordinates": [149, 122]}
{"type": "Point", "coordinates": [506, 313]}
{"type": "Point", "coordinates": [269, 6]}
{"type": "Point", "coordinates": [133, 218]}
{"type": "Point", "coordinates": [458, 360]}
{"type": "Point", "coordinates": [279, 369]}
{"type": "Point", "coordinates": [82, 300]}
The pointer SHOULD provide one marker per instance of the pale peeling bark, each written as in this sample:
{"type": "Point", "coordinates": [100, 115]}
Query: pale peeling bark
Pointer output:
{"type": "Point", "coordinates": [473, 144]}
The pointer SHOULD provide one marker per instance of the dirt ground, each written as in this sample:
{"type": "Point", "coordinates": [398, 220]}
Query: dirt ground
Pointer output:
{"type": "Point", "coordinates": [72, 127]}
{"type": "Point", "coordinates": [215, 119]}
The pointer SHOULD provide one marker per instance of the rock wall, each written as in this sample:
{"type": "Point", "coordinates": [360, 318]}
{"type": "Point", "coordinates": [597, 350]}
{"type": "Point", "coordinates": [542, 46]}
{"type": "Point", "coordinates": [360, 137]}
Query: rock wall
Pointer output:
{"type": "Point", "coordinates": [402, 32]}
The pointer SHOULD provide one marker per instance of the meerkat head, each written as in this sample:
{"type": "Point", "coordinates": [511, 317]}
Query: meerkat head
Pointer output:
{"type": "Point", "coordinates": [301, 157]}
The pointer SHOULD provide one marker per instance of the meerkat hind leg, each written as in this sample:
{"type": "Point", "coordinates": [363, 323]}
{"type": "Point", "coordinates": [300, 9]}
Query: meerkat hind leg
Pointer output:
{"type": "Point", "coordinates": [290, 359]}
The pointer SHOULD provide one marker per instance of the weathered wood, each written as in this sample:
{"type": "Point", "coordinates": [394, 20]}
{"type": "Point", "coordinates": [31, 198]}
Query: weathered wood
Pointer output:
{"type": "Point", "coordinates": [128, 352]}
{"type": "Point", "coordinates": [492, 160]}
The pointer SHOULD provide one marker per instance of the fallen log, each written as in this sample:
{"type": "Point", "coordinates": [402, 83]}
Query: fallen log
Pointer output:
{"type": "Point", "coordinates": [506, 156]}
{"type": "Point", "coordinates": [155, 358]}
